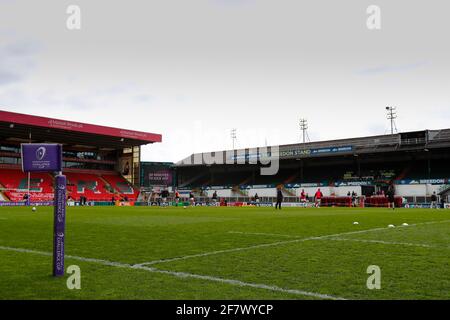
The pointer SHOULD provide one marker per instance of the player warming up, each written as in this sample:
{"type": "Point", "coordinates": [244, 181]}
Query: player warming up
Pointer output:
{"type": "Point", "coordinates": [303, 196]}
{"type": "Point", "coordinates": [279, 198]}
{"type": "Point", "coordinates": [318, 198]}
{"type": "Point", "coordinates": [391, 197]}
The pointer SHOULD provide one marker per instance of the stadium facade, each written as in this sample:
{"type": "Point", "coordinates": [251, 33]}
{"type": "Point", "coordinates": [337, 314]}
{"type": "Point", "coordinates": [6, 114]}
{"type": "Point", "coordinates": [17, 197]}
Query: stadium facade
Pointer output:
{"type": "Point", "coordinates": [416, 163]}
{"type": "Point", "coordinates": [101, 163]}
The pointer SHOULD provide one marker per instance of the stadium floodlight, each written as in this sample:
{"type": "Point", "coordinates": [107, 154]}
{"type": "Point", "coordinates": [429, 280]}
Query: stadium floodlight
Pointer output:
{"type": "Point", "coordinates": [304, 127]}
{"type": "Point", "coordinates": [233, 136]}
{"type": "Point", "coordinates": [392, 115]}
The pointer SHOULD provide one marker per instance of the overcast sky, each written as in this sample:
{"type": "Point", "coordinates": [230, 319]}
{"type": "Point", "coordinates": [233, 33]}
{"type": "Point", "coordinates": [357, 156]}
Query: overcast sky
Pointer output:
{"type": "Point", "coordinates": [193, 70]}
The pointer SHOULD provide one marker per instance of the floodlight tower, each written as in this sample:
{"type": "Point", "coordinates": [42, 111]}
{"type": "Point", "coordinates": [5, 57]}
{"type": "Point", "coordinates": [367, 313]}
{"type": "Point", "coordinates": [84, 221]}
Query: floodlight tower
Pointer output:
{"type": "Point", "coordinates": [304, 127]}
{"type": "Point", "coordinates": [392, 115]}
{"type": "Point", "coordinates": [233, 136]}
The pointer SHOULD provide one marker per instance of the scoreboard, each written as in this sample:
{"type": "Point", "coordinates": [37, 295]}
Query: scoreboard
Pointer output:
{"type": "Point", "coordinates": [155, 174]}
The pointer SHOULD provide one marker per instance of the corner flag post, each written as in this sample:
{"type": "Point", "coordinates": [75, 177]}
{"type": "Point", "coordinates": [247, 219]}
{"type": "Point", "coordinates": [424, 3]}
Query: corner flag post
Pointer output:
{"type": "Point", "coordinates": [48, 158]}
{"type": "Point", "coordinates": [59, 223]}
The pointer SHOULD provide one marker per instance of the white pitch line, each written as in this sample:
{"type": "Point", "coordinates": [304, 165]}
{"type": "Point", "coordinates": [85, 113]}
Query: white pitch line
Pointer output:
{"type": "Point", "coordinates": [44, 253]}
{"type": "Point", "coordinates": [183, 274]}
{"type": "Point", "coordinates": [271, 244]}
{"type": "Point", "coordinates": [263, 245]}
{"type": "Point", "coordinates": [388, 242]}
{"type": "Point", "coordinates": [263, 234]}
{"type": "Point", "coordinates": [243, 284]}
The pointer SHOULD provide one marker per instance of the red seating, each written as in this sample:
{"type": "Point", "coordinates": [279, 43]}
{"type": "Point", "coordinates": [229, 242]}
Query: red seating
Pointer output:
{"type": "Point", "coordinates": [122, 186]}
{"type": "Point", "coordinates": [41, 185]}
{"type": "Point", "coordinates": [99, 188]}
{"type": "Point", "coordinates": [94, 187]}
{"type": "Point", "coordinates": [89, 185]}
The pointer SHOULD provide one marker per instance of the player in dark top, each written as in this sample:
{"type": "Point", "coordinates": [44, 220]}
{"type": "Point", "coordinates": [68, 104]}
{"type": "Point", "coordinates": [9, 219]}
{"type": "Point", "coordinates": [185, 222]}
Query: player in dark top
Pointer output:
{"type": "Point", "coordinates": [354, 198]}
{"type": "Point", "coordinates": [26, 199]}
{"type": "Point", "coordinates": [164, 196]}
{"type": "Point", "coordinates": [433, 201]}
{"type": "Point", "coordinates": [279, 198]}
{"type": "Point", "coordinates": [256, 198]}
{"type": "Point", "coordinates": [192, 198]}
{"type": "Point", "coordinates": [214, 198]}
{"type": "Point", "coordinates": [391, 198]}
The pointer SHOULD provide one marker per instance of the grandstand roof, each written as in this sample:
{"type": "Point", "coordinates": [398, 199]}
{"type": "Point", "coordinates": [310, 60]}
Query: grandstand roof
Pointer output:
{"type": "Point", "coordinates": [405, 141]}
{"type": "Point", "coordinates": [18, 127]}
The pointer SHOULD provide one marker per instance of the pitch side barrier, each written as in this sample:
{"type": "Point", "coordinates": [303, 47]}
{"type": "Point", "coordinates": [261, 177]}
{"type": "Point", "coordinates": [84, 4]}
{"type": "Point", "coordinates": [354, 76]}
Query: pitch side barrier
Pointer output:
{"type": "Point", "coordinates": [361, 201]}
{"type": "Point", "coordinates": [250, 201]}
{"type": "Point", "coordinates": [25, 203]}
{"type": "Point", "coordinates": [231, 202]}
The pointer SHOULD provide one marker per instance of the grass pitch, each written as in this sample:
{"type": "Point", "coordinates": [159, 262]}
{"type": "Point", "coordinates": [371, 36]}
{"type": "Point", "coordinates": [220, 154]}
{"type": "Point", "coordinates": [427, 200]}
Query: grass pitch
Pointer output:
{"type": "Point", "coordinates": [228, 253]}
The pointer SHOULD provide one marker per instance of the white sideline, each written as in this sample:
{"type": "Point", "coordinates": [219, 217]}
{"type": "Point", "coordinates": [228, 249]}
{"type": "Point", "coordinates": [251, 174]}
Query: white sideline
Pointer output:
{"type": "Point", "coordinates": [264, 234]}
{"type": "Point", "coordinates": [257, 246]}
{"type": "Point", "coordinates": [389, 242]}
{"type": "Point", "coordinates": [271, 244]}
{"type": "Point", "coordinates": [182, 274]}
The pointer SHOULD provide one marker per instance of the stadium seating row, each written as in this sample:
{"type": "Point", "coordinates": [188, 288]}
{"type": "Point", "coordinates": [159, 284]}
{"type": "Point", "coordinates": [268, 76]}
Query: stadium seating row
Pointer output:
{"type": "Point", "coordinates": [388, 171]}
{"type": "Point", "coordinates": [93, 187]}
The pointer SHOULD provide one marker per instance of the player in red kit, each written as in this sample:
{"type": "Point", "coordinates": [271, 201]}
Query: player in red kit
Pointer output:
{"type": "Point", "coordinates": [318, 197]}
{"type": "Point", "coordinates": [303, 196]}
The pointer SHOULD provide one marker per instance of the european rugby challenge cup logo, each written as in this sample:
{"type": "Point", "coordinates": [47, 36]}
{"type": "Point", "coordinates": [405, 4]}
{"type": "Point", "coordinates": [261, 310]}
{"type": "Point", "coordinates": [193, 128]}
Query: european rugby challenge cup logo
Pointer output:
{"type": "Point", "coordinates": [40, 153]}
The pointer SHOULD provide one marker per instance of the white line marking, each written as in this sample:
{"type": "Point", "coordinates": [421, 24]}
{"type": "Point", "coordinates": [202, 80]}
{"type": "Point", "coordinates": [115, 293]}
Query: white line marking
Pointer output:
{"type": "Point", "coordinates": [271, 244]}
{"type": "Point", "coordinates": [389, 242]}
{"type": "Point", "coordinates": [263, 245]}
{"type": "Point", "coordinates": [241, 283]}
{"type": "Point", "coordinates": [44, 253]}
{"type": "Point", "coordinates": [263, 234]}
{"type": "Point", "coordinates": [182, 274]}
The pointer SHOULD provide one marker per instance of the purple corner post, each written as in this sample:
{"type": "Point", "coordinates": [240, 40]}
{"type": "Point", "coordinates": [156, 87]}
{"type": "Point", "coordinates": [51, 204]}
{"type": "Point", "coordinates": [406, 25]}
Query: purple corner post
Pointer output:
{"type": "Point", "coordinates": [59, 224]}
{"type": "Point", "coordinates": [47, 157]}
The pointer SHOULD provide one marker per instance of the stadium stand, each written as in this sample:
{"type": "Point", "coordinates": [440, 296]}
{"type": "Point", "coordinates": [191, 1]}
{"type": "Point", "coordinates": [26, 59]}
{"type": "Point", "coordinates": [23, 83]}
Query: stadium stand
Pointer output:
{"type": "Point", "coordinates": [416, 163]}
{"type": "Point", "coordinates": [99, 162]}
{"type": "Point", "coordinates": [94, 187]}
{"type": "Point", "coordinates": [15, 184]}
